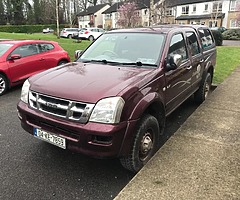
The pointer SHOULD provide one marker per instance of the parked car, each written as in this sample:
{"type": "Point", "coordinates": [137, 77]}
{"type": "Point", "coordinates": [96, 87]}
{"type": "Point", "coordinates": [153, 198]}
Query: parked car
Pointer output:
{"type": "Point", "coordinates": [68, 32]}
{"type": "Point", "coordinates": [90, 33]}
{"type": "Point", "coordinates": [47, 30]}
{"type": "Point", "coordinates": [75, 35]}
{"type": "Point", "coordinates": [220, 29]}
{"type": "Point", "coordinates": [114, 100]}
{"type": "Point", "coordinates": [19, 59]}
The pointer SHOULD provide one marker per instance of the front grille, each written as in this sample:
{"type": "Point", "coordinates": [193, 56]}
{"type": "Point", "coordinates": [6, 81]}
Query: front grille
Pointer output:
{"type": "Point", "coordinates": [67, 109]}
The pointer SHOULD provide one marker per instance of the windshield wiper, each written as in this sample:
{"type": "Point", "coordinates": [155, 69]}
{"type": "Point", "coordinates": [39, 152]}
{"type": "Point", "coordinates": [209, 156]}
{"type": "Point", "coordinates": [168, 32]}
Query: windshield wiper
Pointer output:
{"type": "Point", "coordinates": [102, 61]}
{"type": "Point", "coordinates": [139, 64]}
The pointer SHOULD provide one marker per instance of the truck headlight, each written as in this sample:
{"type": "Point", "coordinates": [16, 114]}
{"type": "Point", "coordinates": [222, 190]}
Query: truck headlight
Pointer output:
{"type": "Point", "coordinates": [108, 110]}
{"type": "Point", "coordinates": [25, 90]}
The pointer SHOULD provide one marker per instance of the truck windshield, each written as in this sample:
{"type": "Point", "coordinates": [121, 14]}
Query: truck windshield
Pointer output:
{"type": "Point", "coordinates": [126, 48]}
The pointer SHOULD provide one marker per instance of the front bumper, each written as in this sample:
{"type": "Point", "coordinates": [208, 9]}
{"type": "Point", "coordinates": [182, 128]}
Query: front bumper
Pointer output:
{"type": "Point", "coordinates": [92, 139]}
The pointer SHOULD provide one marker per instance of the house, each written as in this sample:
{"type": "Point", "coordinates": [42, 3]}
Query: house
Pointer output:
{"type": "Point", "coordinates": [92, 16]}
{"type": "Point", "coordinates": [111, 15]}
{"type": "Point", "coordinates": [207, 12]}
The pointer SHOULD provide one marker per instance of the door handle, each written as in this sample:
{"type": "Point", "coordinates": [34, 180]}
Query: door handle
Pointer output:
{"type": "Point", "coordinates": [190, 67]}
{"type": "Point", "coordinates": [41, 59]}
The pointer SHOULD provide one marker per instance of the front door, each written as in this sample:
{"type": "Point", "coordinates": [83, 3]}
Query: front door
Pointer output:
{"type": "Point", "coordinates": [178, 81]}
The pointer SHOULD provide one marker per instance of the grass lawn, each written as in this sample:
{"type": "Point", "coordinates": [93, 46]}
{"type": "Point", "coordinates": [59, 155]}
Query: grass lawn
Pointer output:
{"type": "Point", "coordinates": [228, 58]}
{"type": "Point", "coordinates": [69, 45]}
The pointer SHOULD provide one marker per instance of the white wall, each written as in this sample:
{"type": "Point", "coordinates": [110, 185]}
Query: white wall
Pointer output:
{"type": "Point", "coordinates": [200, 9]}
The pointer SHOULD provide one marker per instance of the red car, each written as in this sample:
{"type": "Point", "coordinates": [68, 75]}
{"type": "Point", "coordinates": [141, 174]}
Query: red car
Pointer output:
{"type": "Point", "coordinates": [20, 59]}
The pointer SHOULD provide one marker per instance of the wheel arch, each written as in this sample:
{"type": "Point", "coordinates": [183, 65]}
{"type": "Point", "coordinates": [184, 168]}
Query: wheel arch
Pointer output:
{"type": "Point", "coordinates": [151, 104]}
{"type": "Point", "coordinates": [62, 60]}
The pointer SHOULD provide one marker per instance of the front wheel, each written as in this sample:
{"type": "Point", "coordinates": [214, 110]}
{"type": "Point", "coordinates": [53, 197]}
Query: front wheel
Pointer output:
{"type": "Point", "coordinates": [145, 144]}
{"type": "Point", "coordinates": [202, 93]}
{"type": "Point", "coordinates": [3, 84]}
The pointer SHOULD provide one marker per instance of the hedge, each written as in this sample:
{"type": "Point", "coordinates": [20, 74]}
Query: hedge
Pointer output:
{"type": "Point", "coordinates": [232, 34]}
{"type": "Point", "coordinates": [28, 28]}
{"type": "Point", "coordinates": [218, 37]}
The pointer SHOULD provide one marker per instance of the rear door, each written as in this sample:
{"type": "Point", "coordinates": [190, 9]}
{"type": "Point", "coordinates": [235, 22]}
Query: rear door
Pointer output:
{"type": "Point", "coordinates": [178, 81]}
{"type": "Point", "coordinates": [196, 58]}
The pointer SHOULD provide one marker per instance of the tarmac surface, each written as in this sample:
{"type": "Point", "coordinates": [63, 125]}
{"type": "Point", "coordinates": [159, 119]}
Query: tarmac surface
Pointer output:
{"type": "Point", "coordinates": [202, 159]}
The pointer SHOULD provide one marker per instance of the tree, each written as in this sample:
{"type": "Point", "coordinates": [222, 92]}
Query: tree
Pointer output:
{"type": "Point", "coordinates": [238, 14]}
{"type": "Point", "coordinates": [128, 15]}
{"type": "Point", "coordinates": [216, 12]}
{"type": "Point", "coordinates": [3, 16]}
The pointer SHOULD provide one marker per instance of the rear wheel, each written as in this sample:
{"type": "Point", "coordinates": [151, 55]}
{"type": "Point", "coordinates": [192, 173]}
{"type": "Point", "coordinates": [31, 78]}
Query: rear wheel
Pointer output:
{"type": "Point", "coordinates": [202, 93]}
{"type": "Point", "coordinates": [91, 38]}
{"type": "Point", "coordinates": [145, 144]}
{"type": "Point", "coordinates": [69, 36]}
{"type": "Point", "coordinates": [3, 84]}
{"type": "Point", "coordinates": [62, 62]}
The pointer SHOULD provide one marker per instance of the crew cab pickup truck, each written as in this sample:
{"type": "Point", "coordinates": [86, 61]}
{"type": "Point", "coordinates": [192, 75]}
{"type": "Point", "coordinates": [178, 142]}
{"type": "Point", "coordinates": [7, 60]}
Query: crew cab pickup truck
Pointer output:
{"type": "Point", "coordinates": [114, 99]}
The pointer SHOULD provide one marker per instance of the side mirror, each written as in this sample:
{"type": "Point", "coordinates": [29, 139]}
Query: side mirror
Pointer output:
{"type": "Point", "coordinates": [15, 57]}
{"type": "Point", "coordinates": [78, 53]}
{"type": "Point", "coordinates": [174, 62]}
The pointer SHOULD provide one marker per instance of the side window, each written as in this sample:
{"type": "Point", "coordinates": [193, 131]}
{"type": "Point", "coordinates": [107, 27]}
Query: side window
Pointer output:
{"type": "Point", "coordinates": [206, 38]}
{"type": "Point", "coordinates": [193, 43]}
{"type": "Point", "coordinates": [26, 50]}
{"type": "Point", "coordinates": [45, 47]}
{"type": "Point", "coordinates": [178, 46]}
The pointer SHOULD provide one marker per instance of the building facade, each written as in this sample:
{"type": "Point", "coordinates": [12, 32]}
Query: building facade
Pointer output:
{"type": "Point", "coordinates": [209, 13]}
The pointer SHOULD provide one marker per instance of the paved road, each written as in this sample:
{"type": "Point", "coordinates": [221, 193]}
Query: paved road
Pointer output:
{"type": "Point", "coordinates": [33, 169]}
{"type": "Point", "coordinates": [231, 42]}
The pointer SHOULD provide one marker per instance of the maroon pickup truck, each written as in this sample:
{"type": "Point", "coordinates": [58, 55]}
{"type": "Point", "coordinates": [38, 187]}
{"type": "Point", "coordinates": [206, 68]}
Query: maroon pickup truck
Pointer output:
{"type": "Point", "coordinates": [114, 99]}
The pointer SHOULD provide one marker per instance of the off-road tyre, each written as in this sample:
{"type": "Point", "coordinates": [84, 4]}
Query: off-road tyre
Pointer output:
{"type": "Point", "coordinates": [146, 132]}
{"type": "Point", "coordinates": [202, 93]}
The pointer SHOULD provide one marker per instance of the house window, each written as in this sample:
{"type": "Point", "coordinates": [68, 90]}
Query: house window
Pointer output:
{"type": "Point", "coordinates": [234, 23]}
{"type": "Point", "coordinates": [194, 9]}
{"type": "Point", "coordinates": [206, 8]}
{"type": "Point", "coordinates": [212, 23]}
{"type": "Point", "coordinates": [185, 10]}
{"type": "Point", "coordinates": [108, 16]}
{"type": "Point", "coordinates": [169, 12]}
{"type": "Point", "coordinates": [217, 7]}
{"type": "Point", "coordinates": [116, 15]}
{"type": "Point", "coordinates": [233, 5]}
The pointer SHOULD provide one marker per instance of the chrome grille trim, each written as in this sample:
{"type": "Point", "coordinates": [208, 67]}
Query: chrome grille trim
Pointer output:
{"type": "Point", "coordinates": [67, 109]}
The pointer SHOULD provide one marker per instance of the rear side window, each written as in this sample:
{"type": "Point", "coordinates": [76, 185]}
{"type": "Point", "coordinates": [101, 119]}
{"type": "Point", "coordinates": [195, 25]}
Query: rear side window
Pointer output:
{"type": "Point", "coordinates": [178, 46]}
{"type": "Point", "coordinates": [193, 43]}
{"type": "Point", "coordinates": [206, 38]}
{"type": "Point", "coordinates": [45, 47]}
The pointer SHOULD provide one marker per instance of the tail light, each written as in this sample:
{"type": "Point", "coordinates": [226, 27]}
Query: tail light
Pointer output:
{"type": "Point", "coordinates": [86, 32]}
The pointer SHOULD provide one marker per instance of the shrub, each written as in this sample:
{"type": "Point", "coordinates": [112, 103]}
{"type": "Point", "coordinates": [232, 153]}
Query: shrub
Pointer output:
{"type": "Point", "coordinates": [26, 28]}
{"type": "Point", "coordinates": [231, 34]}
{"type": "Point", "coordinates": [218, 37]}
